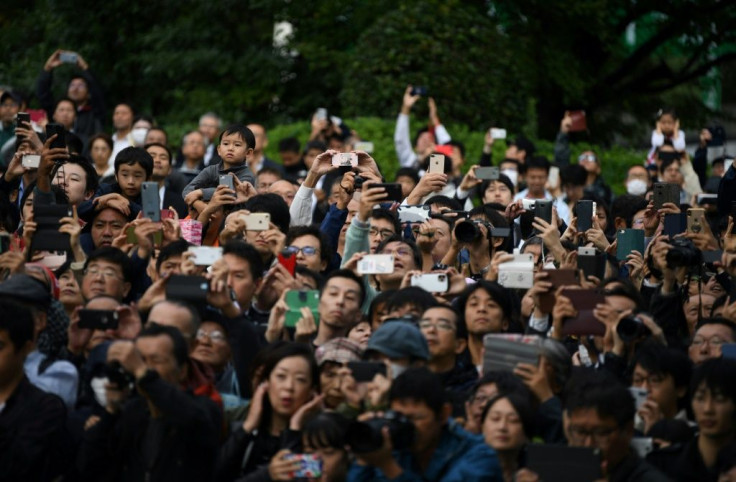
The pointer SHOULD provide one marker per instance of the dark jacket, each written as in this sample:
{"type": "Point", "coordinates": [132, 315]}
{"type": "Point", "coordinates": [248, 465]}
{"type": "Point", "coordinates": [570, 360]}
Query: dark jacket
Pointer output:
{"type": "Point", "coordinates": [32, 435]}
{"type": "Point", "coordinates": [209, 179]}
{"type": "Point", "coordinates": [634, 469]}
{"type": "Point", "coordinates": [458, 383]}
{"type": "Point", "coordinates": [179, 445]}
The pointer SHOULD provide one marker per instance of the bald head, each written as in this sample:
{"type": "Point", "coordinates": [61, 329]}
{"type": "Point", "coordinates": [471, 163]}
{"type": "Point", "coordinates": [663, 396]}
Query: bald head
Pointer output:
{"type": "Point", "coordinates": [179, 315]}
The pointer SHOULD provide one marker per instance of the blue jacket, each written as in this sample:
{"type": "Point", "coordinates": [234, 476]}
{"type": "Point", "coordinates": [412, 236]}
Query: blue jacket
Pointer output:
{"type": "Point", "coordinates": [459, 457]}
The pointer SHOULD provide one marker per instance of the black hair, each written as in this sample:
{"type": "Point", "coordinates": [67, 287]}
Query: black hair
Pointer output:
{"type": "Point", "coordinates": [91, 178]}
{"type": "Point", "coordinates": [498, 293]}
{"type": "Point", "coordinates": [503, 179]}
{"type": "Point", "coordinates": [181, 347]}
{"type": "Point", "coordinates": [538, 162]}
{"type": "Point", "coordinates": [9, 216]}
{"type": "Point", "coordinates": [626, 206]}
{"type": "Point", "coordinates": [418, 134]}
{"type": "Point", "coordinates": [129, 105]}
{"type": "Point", "coordinates": [719, 321]}
{"type": "Point", "coordinates": [289, 144]}
{"type": "Point", "coordinates": [390, 216]}
{"type": "Point", "coordinates": [158, 144]}
{"type": "Point", "coordinates": [506, 382]}
{"type": "Point", "coordinates": [657, 359]}
{"type": "Point", "coordinates": [325, 246]}
{"type": "Point", "coordinates": [408, 172]}
{"type": "Point", "coordinates": [459, 145]}
{"type": "Point", "coordinates": [112, 255]}
{"type": "Point", "coordinates": [667, 111]}
{"type": "Point", "coordinates": [103, 136]}
{"type": "Point", "coordinates": [272, 204]}
{"type": "Point", "coordinates": [244, 251]}
{"type": "Point", "coordinates": [306, 272]}
{"type": "Point", "coordinates": [326, 430]}
{"type": "Point", "coordinates": [524, 144]}
{"type": "Point", "coordinates": [346, 273]}
{"type": "Point", "coordinates": [66, 99]}
{"type": "Point", "coordinates": [626, 288]}
{"type": "Point", "coordinates": [573, 175]}
{"type": "Point", "coordinates": [382, 297]}
{"type": "Point", "coordinates": [130, 156]}
{"type": "Point", "coordinates": [416, 254]}
{"type": "Point", "coordinates": [176, 248]}
{"type": "Point", "coordinates": [319, 145]}
{"type": "Point", "coordinates": [244, 133]}
{"type": "Point", "coordinates": [461, 331]}
{"type": "Point", "coordinates": [667, 163]}
{"type": "Point", "coordinates": [443, 202]}
{"type": "Point", "coordinates": [195, 316]}
{"type": "Point", "coordinates": [411, 296]}
{"type": "Point", "coordinates": [522, 407]}
{"type": "Point", "coordinates": [270, 170]}
{"type": "Point", "coordinates": [602, 392]}
{"type": "Point", "coordinates": [17, 320]}
{"type": "Point", "coordinates": [717, 374]}
{"type": "Point", "coordinates": [74, 143]}
{"type": "Point", "coordinates": [419, 385]}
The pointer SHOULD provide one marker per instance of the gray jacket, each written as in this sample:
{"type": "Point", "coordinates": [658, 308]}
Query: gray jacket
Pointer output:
{"type": "Point", "coordinates": [209, 179]}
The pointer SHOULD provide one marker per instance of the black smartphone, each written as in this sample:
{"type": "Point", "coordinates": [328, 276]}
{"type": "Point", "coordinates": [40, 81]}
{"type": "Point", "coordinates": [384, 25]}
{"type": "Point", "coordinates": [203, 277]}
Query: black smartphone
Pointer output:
{"type": "Point", "coordinates": [4, 243]}
{"type": "Point", "coordinates": [393, 191]}
{"type": "Point", "coordinates": [710, 257]}
{"type": "Point", "coordinates": [487, 173]}
{"type": "Point", "coordinates": [151, 201]}
{"type": "Point", "coordinates": [543, 209]}
{"type": "Point", "coordinates": [592, 263]}
{"type": "Point", "coordinates": [669, 156]}
{"type": "Point", "coordinates": [560, 462]}
{"type": "Point", "coordinates": [58, 129]}
{"type": "Point", "coordinates": [674, 224]}
{"type": "Point", "coordinates": [500, 232]}
{"type": "Point", "coordinates": [419, 90]}
{"type": "Point", "coordinates": [47, 236]}
{"type": "Point", "coordinates": [365, 371]}
{"type": "Point", "coordinates": [584, 213]}
{"type": "Point", "coordinates": [20, 118]}
{"type": "Point", "coordinates": [665, 192]}
{"type": "Point", "coordinates": [192, 289]}
{"type": "Point", "coordinates": [98, 319]}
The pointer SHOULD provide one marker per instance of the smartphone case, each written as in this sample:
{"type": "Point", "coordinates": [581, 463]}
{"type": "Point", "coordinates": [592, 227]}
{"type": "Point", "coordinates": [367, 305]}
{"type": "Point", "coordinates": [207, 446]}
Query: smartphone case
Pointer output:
{"type": "Point", "coordinates": [558, 277]}
{"type": "Point", "coordinates": [298, 299]}
{"type": "Point", "coordinates": [393, 191]}
{"type": "Point", "coordinates": [487, 173]}
{"type": "Point", "coordinates": [665, 193]}
{"type": "Point", "coordinates": [585, 323]}
{"type": "Point", "coordinates": [674, 224]}
{"type": "Point", "coordinates": [593, 265]}
{"type": "Point", "coordinates": [629, 240]}
{"type": "Point", "coordinates": [413, 214]}
{"type": "Point", "coordinates": [561, 462]}
{"type": "Point", "coordinates": [192, 289]}
{"type": "Point", "coordinates": [47, 236]}
{"type": "Point", "coordinates": [584, 213]}
{"type": "Point", "coordinates": [151, 201]}
{"type": "Point", "coordinates": [365, 371]}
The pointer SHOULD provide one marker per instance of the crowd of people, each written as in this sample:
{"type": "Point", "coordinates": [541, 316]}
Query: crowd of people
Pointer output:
{"type": "Point", "coordinates": [213, 314]}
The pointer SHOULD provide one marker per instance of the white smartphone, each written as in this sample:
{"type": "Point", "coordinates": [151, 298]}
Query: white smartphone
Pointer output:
{"type": "Point", "coordinates": [583, 251]}
{"type": "Point", "coordinates": [431, 282]}
{"type": "Point", "coordinates": [413, 214]}
{"type": "Point", "coordinates": [205, 255]}
{"type": "Point", "coordinates": [364, 146]}
{"type": "Point", "coordinates": [640, 396]}
{"type": "Point", "coordinates": [68, 57]}
{"type": "Point", "coordinates": [256, 221]}
{"type": "Point", "coordinates": [553, 180]}
{"type": "Point", "coordinates": [376, 264]}
{"type": "Point", "coordinates": [31, 161]}
{"type": "Point", "coordinates": [643, 446]}
{"type": "Point", "coordinates": [345, 159]}
{"type": "Point", "coordinates": [498, 133]}
{"type": "Point", "coordinates": [321, 114]}
{"type": "Point", "coordinates": [517, 273]}
{"type": "Point", "coordinates": [528, 204]}
{"type": "Point", "coordinates": [436, 164]}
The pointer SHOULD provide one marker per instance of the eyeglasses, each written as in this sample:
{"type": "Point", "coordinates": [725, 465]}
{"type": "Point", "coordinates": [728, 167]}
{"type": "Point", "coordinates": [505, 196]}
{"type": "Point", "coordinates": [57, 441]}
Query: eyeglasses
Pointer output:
{"type": "Point", "coordinates": [599, 435]}
{"type": "Point", "coordinates": [712, 341]}
{"type": "Point", "coordinates": [106, 273]}
{"type": "Point", "coordinates": [587, 157]}
{"type": "Point", "coordinates": [480, 399]}
{"type": "Point", "coordinates": [215, 336]}
{"type": "Point", "coordinates": [655, 379]}
{"type": "Point", "coordinates": [439, 325]}
{"type": "Point", "coordinates": [307, 250]}
{"type": "Point", "coordinates": [383, 233]}
{"type": "Point", "coordinates": [398, 252]}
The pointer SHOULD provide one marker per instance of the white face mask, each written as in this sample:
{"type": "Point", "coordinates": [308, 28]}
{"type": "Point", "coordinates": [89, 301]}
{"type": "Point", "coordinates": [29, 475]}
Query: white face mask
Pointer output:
{"type": "Point", "coordinates": [98, 387]}
{"type": "Point", "coordinates": [511, 174]}
{"type": "Point", "coordinates": [637, 187]}
{"type": "Point", "coordinates": [396, 370]}
{"type": "Point", "coordinates": [139, 136]}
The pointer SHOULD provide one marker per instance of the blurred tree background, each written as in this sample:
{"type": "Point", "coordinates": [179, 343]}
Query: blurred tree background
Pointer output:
{"type": "Point", "coordinates": [517, 65]}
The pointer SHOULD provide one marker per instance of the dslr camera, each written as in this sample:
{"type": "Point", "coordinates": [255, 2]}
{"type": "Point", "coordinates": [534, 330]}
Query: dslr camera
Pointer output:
{"type": "Point", "coordinates": [116, 375]}
{"type": "Point", "coordinates": [683, 254]}
{"type": "Point", "coordinates": [469, 231]}
{"type": "Point", "coordinates": [364, 437]}
{"type": "Point", "coordinates": [632, 328]}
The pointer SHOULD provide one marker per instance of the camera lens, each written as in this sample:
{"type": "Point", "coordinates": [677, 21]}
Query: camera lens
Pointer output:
{"type": "Point", "coordinates": [466, 232]}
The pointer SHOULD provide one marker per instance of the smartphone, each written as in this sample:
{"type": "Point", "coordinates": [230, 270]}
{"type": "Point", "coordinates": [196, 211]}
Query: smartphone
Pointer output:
{"type": "Point", "coordinates": [629, 240]}
{"type": "Point", "coordinates": [563, 462]}
{"type": "Point", "coordinates": [487, 173]}
{"type": "Point", "coordinates": [321, 114]}
{"type": "Point", "coordinates": [639, 395]}
{"type": "Point", "coordinates": [419, 90]}
{"type": "Point", "coordinates": [501, 354]}
{"type": "Point", "coordinates": [710, 257]}
{"type": "Point", "coordinates": [500, 232]}
{"type": "Point", "coordinates": [558, 277]}
{"type": "Point", "coordinates": [413, 214]}
{"type": "Point", "coordinates": [365, 371]}
{"type": "Point", "coordinates": [68, 57]}
{"type": "Point", "coordinates": [4, 242]}
{"type": "Point", "coordinates": [47, 236]}
{"type": "Point", "coordinates": [497, 133]}
{"type": "Point", "coordinates": [130, 236]}
{"type": "Point", "coordinates": [517, 273]}
{"type": "Point", "coordinates": [256, 221]}
{"type": "Point", "coordinates": [668, 156]}
{"type": "Point", "coordinates": [674, 224]}
{"type": "Point", "coordinates": [192, 289]}
{"type": "Point", "coordinates": [58, 129]}
{"type": "Point", "coordinates": [585, 211]}
{"type": "Point", "coordinates": [226, 180]}
{"type": "Point", "coordinates": [553, 180]}
{"type": "Point", "coordinates": [98, 319]}
{"type": "Point", "coordinates": [310, 466]}
{"type": "Point", "coordinates": [543, 209]}
{"type": "Point", "coordinates": [30, 161]}
{"type": "Point", "coordinates": [728, 350]}
{"type": "Point", "coordinates": [585, 323]}
{"type": "Point", "coordinates": [695, 220]}
{"type": "Point", "coordinates": [205, 255]}
{"type": "Point", "coordinates": [528, 204]}
{"type": "Point", "coordinates": [642, 446]}
{"type": "Point", "coordinates": [20, 118]}
{"type": "Point", "coordinates": [393, 191]}
{"type": "Point", "coordinates": [431, 282]}
{"type": "Point", "coordinates": [579, 121]}
{"type": "Point", "coordinates": [364, 146]}
{"type": "Point", "coordinates": [287, 259]}
{"type": "Point", "coordinates": [665, 193]}
{"type": "Point", "coordinates": [298, 299]}
{"type": "Point", "coordinates": [436, 164]}
{"type": "Point", "coordinates": [707, 199]}
{"type": "Point", "coordinates": [151, 201]}
{"type": "Point", "coordinates": [345, 159]}
{"type": "Point", "coordinates": [592, 263]}
{"type": "Point", "coordinates": [376, 264]}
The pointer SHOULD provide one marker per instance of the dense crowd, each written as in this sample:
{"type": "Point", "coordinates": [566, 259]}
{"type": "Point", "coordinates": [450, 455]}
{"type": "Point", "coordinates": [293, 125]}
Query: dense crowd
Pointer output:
{"type": "Point", "coordinates": [213, 314]}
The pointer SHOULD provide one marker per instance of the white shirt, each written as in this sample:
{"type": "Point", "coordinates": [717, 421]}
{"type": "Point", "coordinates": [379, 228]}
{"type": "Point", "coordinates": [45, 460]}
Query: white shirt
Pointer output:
{"type": "Point", "coordinates": [562, 210]}
{"type": "Point", "coordinates": [118, 144]}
